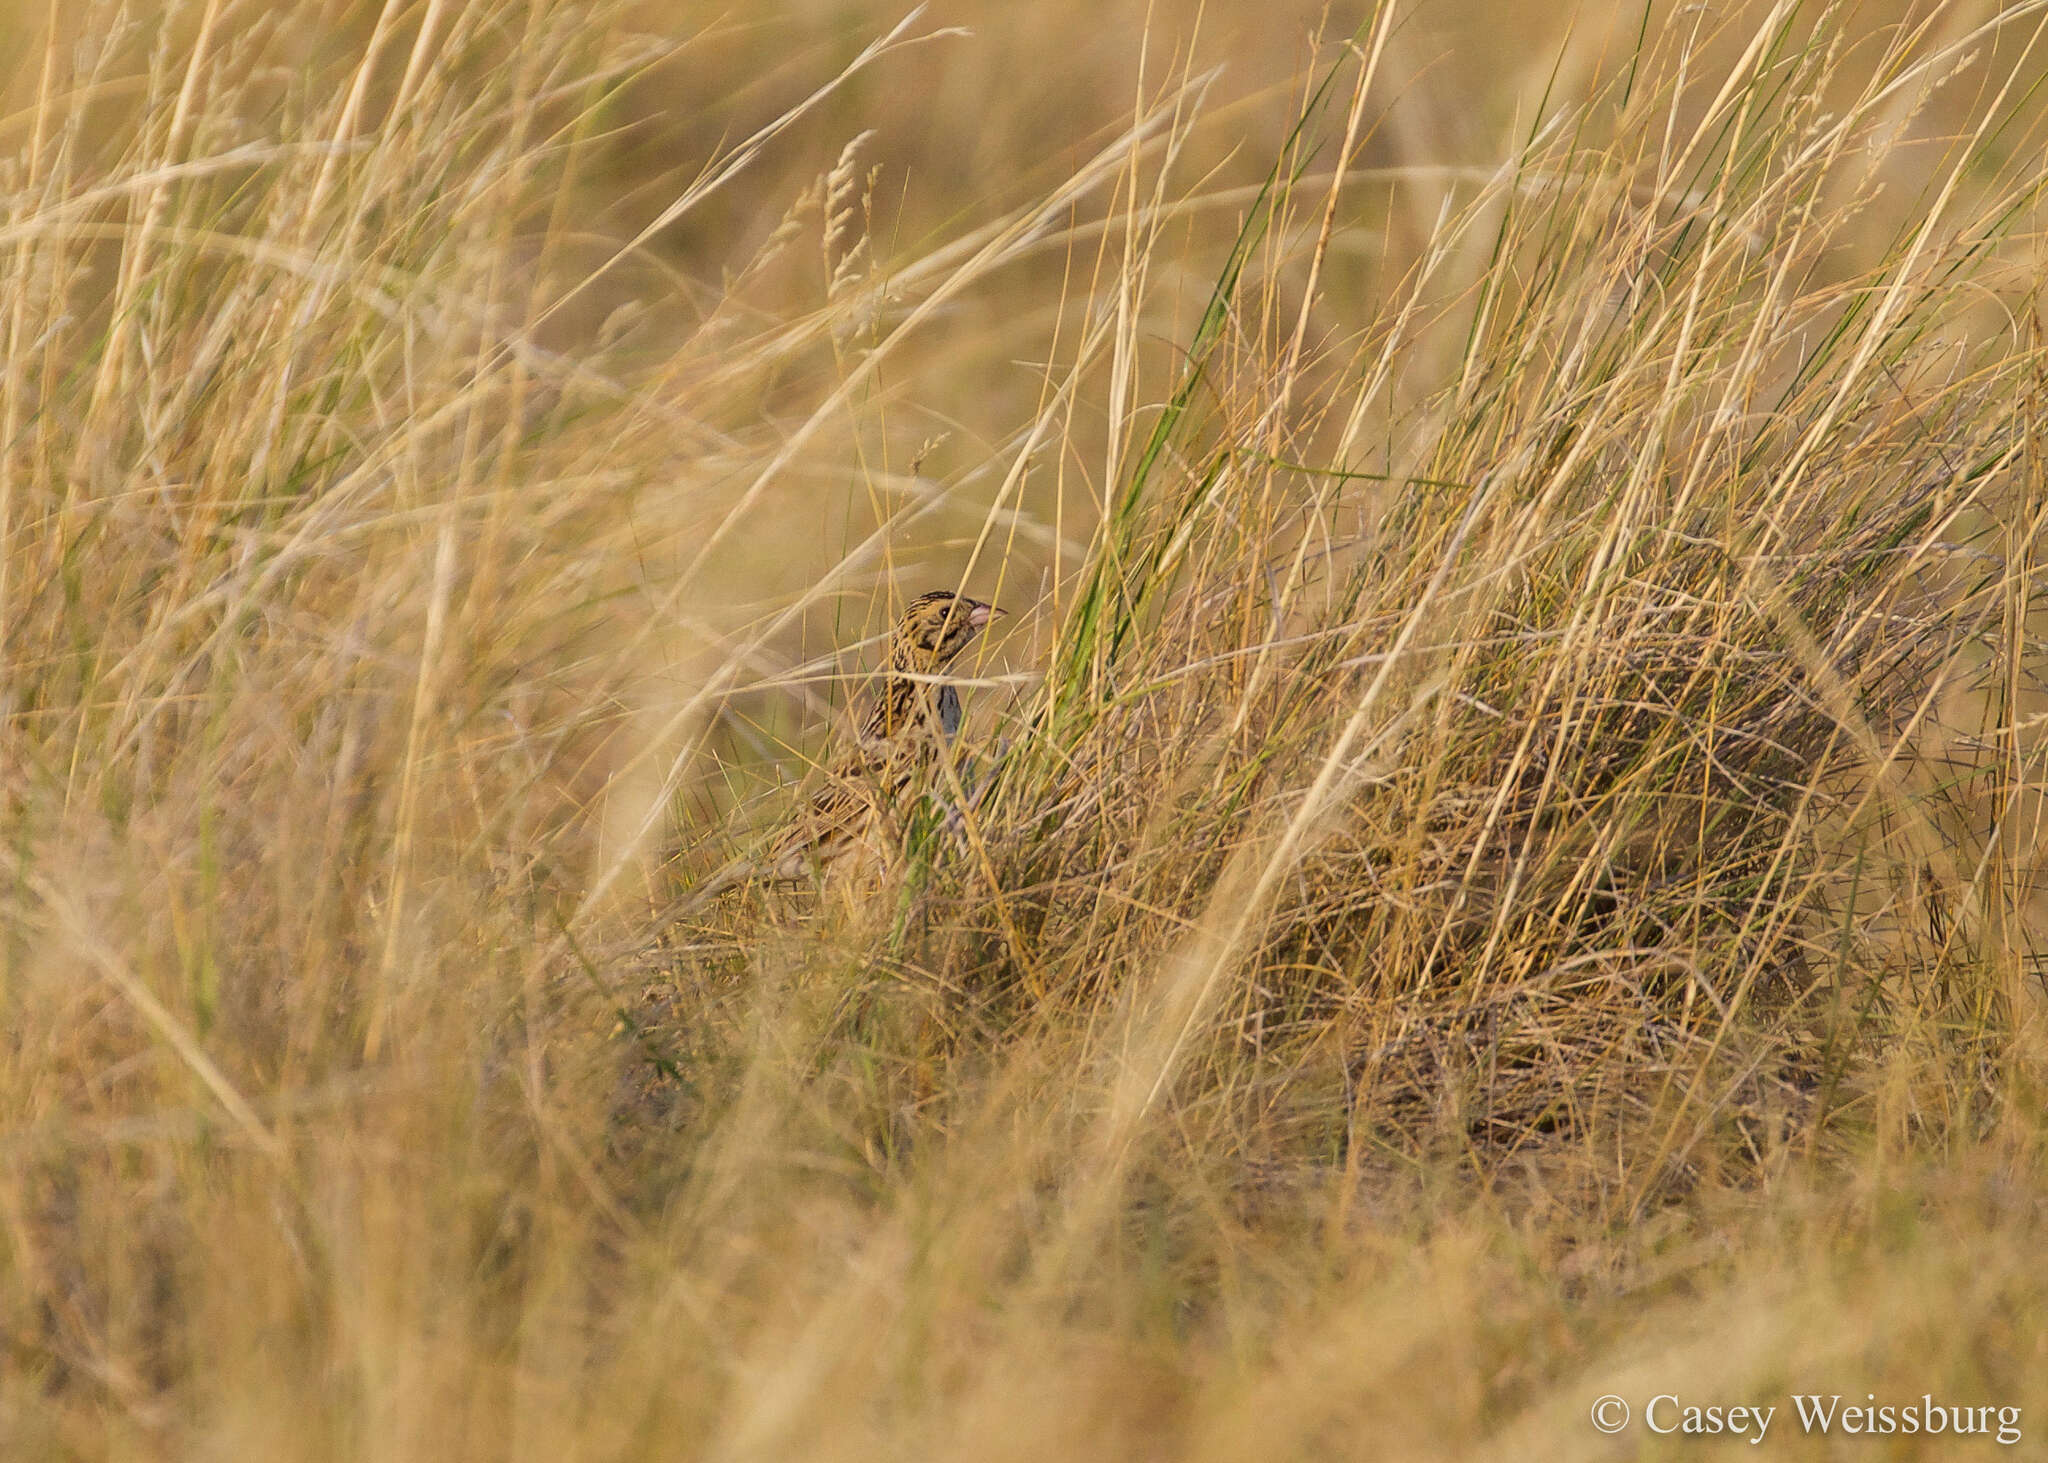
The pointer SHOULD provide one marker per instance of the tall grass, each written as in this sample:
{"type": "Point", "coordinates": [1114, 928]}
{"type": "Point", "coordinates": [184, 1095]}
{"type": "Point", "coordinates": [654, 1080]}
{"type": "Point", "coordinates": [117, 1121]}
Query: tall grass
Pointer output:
{"type": "Point", "coordinates": [1497, 865]}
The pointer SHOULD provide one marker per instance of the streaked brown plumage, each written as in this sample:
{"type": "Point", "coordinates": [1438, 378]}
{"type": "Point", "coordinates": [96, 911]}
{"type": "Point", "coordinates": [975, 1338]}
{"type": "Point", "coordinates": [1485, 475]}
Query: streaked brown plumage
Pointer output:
{"type": "Point", "coordinates": [848, 820]}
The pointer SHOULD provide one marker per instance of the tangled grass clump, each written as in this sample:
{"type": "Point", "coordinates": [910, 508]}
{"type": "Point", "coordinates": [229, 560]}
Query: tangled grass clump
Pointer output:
{"type": "Point", "coordinates": [1565, 774]}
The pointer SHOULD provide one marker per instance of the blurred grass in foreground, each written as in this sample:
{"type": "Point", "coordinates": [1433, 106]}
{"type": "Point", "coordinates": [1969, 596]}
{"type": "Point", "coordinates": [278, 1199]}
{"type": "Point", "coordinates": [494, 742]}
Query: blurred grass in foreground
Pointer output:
{"type": "Point", "coordinates": [1508, 868]}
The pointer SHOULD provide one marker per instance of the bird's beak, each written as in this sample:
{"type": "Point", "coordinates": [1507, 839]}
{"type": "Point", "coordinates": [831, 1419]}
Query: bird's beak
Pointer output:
{"type": "Point", "coordinates": [980, 615]}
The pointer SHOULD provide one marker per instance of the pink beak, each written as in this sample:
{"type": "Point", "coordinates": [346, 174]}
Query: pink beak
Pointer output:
{"type": "Point", "coordinates": [980, 615]}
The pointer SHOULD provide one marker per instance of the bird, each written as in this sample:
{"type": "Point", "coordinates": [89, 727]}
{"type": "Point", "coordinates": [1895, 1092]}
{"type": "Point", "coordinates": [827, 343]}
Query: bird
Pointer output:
{"type": "Point", "coordinates": [891, 755]}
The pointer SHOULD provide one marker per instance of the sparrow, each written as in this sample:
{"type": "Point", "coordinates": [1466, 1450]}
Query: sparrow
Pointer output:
{"type": "Point", "coordinates": [889, 761]}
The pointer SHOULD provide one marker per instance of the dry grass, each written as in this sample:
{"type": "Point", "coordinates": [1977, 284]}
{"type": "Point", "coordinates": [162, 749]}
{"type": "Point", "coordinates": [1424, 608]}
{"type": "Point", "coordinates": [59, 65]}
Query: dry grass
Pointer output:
{"type": "Point", "coordinates": [1501, 853]}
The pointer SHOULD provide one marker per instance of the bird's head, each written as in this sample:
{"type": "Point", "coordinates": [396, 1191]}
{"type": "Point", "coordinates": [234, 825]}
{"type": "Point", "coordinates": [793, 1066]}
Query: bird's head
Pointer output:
{"type": "Point", "coordinates": [935, 628]}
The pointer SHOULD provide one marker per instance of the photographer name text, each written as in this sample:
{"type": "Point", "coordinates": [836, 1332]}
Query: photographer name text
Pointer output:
{"type": "Point", "coordinates": [1813, 1413]}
